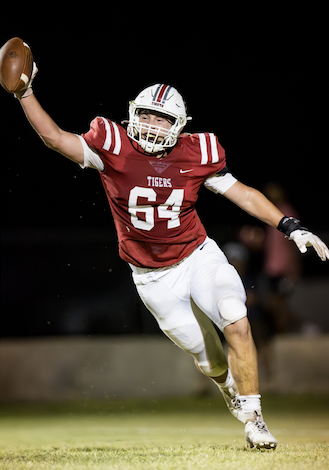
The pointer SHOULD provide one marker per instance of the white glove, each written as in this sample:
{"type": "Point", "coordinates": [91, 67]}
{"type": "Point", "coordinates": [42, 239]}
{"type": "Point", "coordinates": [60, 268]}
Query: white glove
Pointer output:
{"type": "Point", "coordinates": [27, 90]}
{"type": "Point", "coordinates": [304, 238]}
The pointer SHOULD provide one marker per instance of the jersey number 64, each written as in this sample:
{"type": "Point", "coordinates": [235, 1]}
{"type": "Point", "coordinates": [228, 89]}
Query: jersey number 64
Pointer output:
{"type": "Point", "coordinates": [142, 216]}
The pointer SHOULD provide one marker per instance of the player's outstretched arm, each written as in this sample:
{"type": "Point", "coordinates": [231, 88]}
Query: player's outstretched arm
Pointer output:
{"type": "Point", "coordinates": [17, 72]}
{"type": "Point", "coordinates": [257, 205]}
{"type": "Point", "coordinates": [54, 137]}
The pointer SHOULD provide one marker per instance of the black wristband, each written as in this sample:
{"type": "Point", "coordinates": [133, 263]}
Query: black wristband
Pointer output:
{"type": "Point", "coordinates": [288, 225]}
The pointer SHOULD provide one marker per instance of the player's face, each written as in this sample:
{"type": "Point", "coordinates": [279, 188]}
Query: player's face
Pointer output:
{"type": "Point", "coordinates": [154, 126]}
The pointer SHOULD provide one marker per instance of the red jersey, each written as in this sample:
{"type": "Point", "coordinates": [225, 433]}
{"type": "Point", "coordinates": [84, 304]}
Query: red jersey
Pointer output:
{"type": "Point", "coordinates": [153, 201]}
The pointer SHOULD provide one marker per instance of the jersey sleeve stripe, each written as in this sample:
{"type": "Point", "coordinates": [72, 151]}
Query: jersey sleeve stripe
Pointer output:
{"type": "Point", "coordinates": [204, 152]}
{"type": "Point", "coordinates": [214, 149]}
{"type": "Point", "coordinates": [117, 147]}
{"type": "Point", "coordinates": [113, 138]}
{"type": "Point", "coordinates": [108, 139]}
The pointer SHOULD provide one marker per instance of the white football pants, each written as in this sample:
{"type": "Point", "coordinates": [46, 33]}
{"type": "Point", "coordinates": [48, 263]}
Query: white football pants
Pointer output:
{"type": "Point", "coordinates": [187, 297]}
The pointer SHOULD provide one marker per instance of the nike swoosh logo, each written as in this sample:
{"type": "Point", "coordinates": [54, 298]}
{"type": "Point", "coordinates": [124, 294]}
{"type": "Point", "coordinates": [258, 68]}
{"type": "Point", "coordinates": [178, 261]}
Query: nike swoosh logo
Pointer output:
{"type": "Point", "coordinates": [185, 171]}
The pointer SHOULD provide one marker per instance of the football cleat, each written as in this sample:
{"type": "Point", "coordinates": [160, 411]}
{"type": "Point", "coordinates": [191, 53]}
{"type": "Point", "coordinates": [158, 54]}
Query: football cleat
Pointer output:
{"type": "Point", "coordinates": [257, 435]}
{"type": "Point", "coordinates": [232, 400]}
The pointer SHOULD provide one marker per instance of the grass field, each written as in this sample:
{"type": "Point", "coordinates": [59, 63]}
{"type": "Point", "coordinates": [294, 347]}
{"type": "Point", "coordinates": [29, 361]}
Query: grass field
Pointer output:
{"type": "Point", "coordinates": [176, 434]}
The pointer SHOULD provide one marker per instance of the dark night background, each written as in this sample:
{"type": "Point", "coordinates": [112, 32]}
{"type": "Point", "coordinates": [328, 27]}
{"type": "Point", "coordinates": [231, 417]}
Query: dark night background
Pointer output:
{"type": "Point", "coordinates": [257, 77]}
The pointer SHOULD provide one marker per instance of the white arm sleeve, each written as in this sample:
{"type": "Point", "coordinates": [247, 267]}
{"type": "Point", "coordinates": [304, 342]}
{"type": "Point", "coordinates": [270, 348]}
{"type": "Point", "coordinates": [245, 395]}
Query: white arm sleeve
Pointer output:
{"type": "Point", "coordinates": [220, 183]}
{"type": "Point", "coordinates": [91, 158]}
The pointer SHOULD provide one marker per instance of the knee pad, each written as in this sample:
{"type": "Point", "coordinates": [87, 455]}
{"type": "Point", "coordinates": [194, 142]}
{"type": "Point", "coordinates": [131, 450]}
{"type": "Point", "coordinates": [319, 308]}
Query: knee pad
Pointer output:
{"type": "Point", "coordinates": [231, 309]}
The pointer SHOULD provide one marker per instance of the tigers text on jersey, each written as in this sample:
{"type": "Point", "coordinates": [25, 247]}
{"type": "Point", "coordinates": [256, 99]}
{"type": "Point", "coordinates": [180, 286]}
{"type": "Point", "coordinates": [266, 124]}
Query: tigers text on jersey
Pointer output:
{"type": "Point", "coordinates": [153, 201]}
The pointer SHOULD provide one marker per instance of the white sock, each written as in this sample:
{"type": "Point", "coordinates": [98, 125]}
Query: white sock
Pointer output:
{"type": "Point", "coordinates": [250, 403]}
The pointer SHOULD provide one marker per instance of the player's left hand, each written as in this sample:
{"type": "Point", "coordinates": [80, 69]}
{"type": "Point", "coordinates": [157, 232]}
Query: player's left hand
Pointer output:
{"type": "Point", "coordinates": [304, 238]}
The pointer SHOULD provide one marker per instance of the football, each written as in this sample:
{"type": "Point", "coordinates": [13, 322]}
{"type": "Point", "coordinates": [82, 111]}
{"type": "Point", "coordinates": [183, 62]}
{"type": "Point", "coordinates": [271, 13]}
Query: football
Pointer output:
{"type": "Point", "coordinates": [16, 65]}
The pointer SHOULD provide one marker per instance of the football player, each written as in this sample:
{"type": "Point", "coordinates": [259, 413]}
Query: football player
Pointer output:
{"type": "Point", "coordinates": [152, 172]}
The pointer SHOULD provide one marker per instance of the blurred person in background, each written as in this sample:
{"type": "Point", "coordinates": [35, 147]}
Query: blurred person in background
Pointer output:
{"type": "Point", "coordinates": [282, 266]}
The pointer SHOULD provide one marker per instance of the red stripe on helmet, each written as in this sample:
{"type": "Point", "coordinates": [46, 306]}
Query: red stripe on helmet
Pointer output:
{"type": "Point", "coordinates": [161, 93]}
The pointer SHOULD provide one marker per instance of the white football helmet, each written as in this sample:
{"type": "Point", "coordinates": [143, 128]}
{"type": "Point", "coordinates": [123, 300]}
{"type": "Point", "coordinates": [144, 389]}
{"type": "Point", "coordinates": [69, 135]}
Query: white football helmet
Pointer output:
{"type": "Point", "coordinates": [161, 100]}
